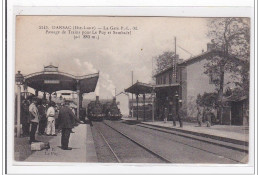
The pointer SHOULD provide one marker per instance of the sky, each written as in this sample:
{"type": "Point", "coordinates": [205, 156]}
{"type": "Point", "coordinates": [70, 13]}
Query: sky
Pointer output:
{"type": "Point", "coordinates": [113, 55]}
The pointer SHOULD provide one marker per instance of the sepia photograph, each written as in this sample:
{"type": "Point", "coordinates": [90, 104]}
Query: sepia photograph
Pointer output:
{"type": "Point", "coordinates": [118, 89]}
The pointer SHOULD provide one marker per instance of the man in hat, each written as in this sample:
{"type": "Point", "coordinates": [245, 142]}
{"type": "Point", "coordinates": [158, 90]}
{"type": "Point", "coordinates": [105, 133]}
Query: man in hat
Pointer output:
{"type": "Point", "coordinates": [65, 120]}
{"type": "Point", "coordinates": [25, 117]}
{"type": "Point", "coordinates": [34, 119]}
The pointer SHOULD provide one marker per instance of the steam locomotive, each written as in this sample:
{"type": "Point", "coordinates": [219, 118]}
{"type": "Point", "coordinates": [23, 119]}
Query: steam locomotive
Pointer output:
{"type": "Point", "coordinates": [95, 110]}
{"type": "Point", "coordinates": [98, 111]}
{"type": "Point", "coordinates": [111, 110]}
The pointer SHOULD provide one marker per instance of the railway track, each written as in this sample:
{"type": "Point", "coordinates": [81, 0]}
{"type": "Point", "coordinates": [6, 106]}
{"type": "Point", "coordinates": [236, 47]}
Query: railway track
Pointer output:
{"type": "Point", "coordinates": [140, 139]}
{"type": "Point", "coordinates": [110, 148]}
{"type": "Point", "coordinates": [191, 143]}
{"type": "Point", "coordinates": [238, 147]}
{"type": "Point", "coordinates": [142, 154]}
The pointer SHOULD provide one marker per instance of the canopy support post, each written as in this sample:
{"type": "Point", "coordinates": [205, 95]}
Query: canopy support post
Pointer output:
{"type": "Point", "coordinates": [152, 107]}
{"type": "Point", "coordinates": [78, 99]}
{"type": "Point", "coordinates": [25, 88]}
{"type": "Point", "coordinates": [137, 105]}
{"type": "Point", "coordinates": [144, 105]}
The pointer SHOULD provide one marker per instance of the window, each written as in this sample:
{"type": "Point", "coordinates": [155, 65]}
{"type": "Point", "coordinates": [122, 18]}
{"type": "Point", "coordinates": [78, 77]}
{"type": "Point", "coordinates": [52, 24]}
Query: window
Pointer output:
{"type": "Point", "coordinates": [170, 78]}
{"type": "Point", "coordinates": [180, 70]}
{"type": "Point", "coordinates": [213, 77]}
{"type": "Point", "coordinates": [164, 79]}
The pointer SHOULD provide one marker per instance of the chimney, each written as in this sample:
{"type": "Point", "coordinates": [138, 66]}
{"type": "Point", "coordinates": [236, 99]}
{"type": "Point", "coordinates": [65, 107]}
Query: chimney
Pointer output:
{"type": "Point", "coordinates": [97, 98]}
{"type": "Point", "coordinates": [211, 46]}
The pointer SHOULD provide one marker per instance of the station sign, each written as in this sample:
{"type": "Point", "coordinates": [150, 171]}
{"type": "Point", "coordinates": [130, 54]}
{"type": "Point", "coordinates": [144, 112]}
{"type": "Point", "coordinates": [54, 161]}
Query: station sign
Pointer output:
{"type": "Point", "coordinates": [51, 81]}
{"type": "Point", "coordinates": [65, 93]}
{"type": "Point", "coordinates": [50, 69]}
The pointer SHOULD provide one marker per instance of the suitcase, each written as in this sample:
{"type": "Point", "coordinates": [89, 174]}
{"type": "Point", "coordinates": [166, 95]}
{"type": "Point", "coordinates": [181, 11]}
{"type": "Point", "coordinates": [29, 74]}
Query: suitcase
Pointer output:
{"type": "Point", "coordinates": [38, 146]}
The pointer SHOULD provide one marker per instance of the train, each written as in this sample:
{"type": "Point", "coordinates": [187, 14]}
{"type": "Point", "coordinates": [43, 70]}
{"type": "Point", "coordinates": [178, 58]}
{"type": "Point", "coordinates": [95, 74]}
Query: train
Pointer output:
{"type": "Point", "coordinates": [97, 111]}
{"type": "Point", "coordinates": [111, 111]}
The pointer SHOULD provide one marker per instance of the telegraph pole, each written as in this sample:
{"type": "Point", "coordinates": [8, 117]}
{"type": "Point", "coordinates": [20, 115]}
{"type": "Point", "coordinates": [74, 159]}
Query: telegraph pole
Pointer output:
{"type": "Point", "coordinates": [175, 46]}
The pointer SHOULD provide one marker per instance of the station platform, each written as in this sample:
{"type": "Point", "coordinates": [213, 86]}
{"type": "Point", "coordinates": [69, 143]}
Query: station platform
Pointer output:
{"type": "Point", "coordinates": [228, 133]}
{"type": "Point", "coordinates": [81, 142]}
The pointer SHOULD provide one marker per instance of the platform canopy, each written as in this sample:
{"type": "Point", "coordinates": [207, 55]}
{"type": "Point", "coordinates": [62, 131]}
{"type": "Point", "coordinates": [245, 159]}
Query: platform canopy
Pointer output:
{"type": "Point", "coordinates": [143, 88]}
{"type": "Point", "coordinates": [140, 88]}
{"type": "Point", "coordinates": [51, 80]}
{"type": "Point", "coordinates": [166, 87]}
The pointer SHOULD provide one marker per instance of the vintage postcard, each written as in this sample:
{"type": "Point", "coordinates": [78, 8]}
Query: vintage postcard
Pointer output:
{"type": "Point", "coordinates": [164, 90]}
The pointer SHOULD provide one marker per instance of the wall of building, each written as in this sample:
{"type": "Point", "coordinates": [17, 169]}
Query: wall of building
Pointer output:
{"type": "Point", "coordinates": [164, 78]}
{"type": "Point", "coordinates": [197, 83]}
{"type": "Point", "coordinates": [183, 83]}
{"type": "Point", "coordinates": [194, 82]}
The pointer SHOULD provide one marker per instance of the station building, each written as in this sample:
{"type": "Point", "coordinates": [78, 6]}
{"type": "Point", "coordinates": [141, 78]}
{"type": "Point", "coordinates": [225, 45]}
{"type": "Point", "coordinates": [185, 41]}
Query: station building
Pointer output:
{"type": "Point", "coordinates": [179, 86]}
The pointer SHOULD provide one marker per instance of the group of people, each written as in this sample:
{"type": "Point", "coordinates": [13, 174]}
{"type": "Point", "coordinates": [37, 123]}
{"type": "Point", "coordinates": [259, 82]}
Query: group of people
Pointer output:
{"type": "Point", "coordinates": [165, 113]}
{"type": "Point", "coordinates": [37, 114]}
{"type": "Point", "coordinates": [204, 115]}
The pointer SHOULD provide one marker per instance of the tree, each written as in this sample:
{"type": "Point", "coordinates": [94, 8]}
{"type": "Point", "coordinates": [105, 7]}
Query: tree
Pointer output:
{"type": "Point", "coordinates": [206, 100]}
{"type": "Point", "coordinates": [231, 38]}
{"type": "Point", "coordinates": [164, 61]}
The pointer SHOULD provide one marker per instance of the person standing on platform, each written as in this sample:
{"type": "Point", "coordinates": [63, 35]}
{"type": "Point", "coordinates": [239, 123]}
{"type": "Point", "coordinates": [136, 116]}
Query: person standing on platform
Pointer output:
{"type": "Point", "coordinates": [25, 118]}
{"type": "Point", "coordinates": [166, 113]}
{"type": "Point", "coordinates": [207, 116]}
{"type": "Point", "coordinates": [42, 118]}
{"type": "Point", "coordinates": [199, 116]}
{"type": "Point", "coordinates": [177, 115]}
{"type": "Point", "coordinates": [51, 120]}
{"type": "Point", "coordinates": [34, 119]}
{"type": "Point", "coordinates": [65, 120]}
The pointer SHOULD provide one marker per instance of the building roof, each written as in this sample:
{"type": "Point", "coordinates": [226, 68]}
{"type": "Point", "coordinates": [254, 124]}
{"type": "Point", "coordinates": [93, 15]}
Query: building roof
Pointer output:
{"type": "Point", "coordinates": [140, 88]}
{"type": "Point", "coordinates": [50, 66]}
{"type": "Point", "coordinates": [163, 71]}
{"type": "Point", "coordinates": [143, 88]}
{"type": "Point", "coordinates": [51, 80]}
{"type": "Point", "coordinates": [196, 59]}
{"type": "Point", "coordinates": [199, 57]}
{"type": "Point", "coordinates": [233, 98]}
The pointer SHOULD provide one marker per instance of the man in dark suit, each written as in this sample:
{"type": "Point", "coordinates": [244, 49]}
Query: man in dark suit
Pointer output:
{"type": "Point", "coordinates": [65, 120]}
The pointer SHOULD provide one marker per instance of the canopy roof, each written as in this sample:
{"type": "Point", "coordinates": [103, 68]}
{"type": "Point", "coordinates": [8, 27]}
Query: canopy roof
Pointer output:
{"type": "Point", "coordinates": [140, 88]}
{"type": "Point", "coordinates": [143, 88]}
{"type": "Point", "coordinates": [51, 80]}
